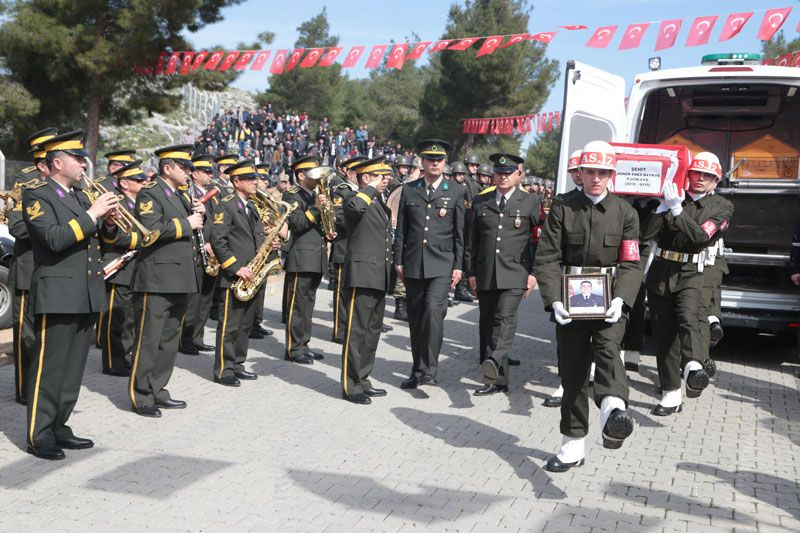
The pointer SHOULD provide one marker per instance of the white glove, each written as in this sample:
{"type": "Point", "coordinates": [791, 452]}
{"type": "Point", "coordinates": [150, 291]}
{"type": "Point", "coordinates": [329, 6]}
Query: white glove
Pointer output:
{"type": "Point", "coordinates": [673, 198]}
{"type": "Point", "coordinates": [562, 317]}
{"type": "Point", "coordinates": [662, 207]}
{"type": "Point", "coordinates": [614, 312]}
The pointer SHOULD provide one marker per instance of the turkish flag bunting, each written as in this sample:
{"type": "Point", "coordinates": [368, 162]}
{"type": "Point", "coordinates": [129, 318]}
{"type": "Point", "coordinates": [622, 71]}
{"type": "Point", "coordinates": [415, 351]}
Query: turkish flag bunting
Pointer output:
{"type": "Point", "coordinates": [734, 25]}
{"type": "Point", "coordinates": [601, 37]}
{"type": "Point", "coordinates": [466, 126]}
{"type": "Point", "coordinates": [260, 60]}
{"type": "Point", "coordinates": [668, 33]}
{"type": "Point", "coordinates": [312, 57]}
{"type": "Point", "coordinates": [575, 27]}
{"type": "Point", "coordinates": [514, 39]}
{"type": "Point", "coordinates": [557, 116]}
{"type": "Point", "coordinates": [520, 124]}
{"type": "Point", "coordinates": [294, 59]}
{"type": "Point", "coordinates": [772, 22]}
{"type": "Point", "coordinates": [172, 64]}
{"type": "Point", "coordinates": [633, 36]}
{"type": "Point", "coordinates": [244, 60]}
{"type": "Point", "coordinates": [229, 60]}
{"type": "Point", "coordinates": [397, 56]}
{"type": "Point", "coordinates": [484, 126]}
{"type": "Point", "coordinates": [279, 62]}
{"type": "Point", "coordinates": [352, 56]}
{"type": "Point", "coordinates": [463, 44]}
{"type": "Point", "coordinates": [416, 52]}
{"type": "Point", "coordinates": [701, 30]}
{"type": "Point", "coordinates": [375, 55]}
{"type": "Point", "coordinates": [186, 64]}
{"type": "Point", "coordinates": [785, 60]}
{"type": "Point", "coordinates": [214, 60]}
{"type": "Point", "coordinates": [768, 61]}
{"type": "Point", "coordinates": [329, 57]}
{"type": "Point", "coordinates": [543, 37]}
{"type": "Point", "coordinates": [490, 45]}
{"type": "Point", "coordinates": [796, 59]}
{"type": "Point", "coordinates": [162, 58]}
{"type": "Point", "coordinates": [198, 59]}
{"type": "Point", "coordinates": [440, 45]}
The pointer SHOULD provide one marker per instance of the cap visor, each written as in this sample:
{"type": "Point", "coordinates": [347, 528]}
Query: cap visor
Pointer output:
{"type": "Point", "coordinates": [77, 152]}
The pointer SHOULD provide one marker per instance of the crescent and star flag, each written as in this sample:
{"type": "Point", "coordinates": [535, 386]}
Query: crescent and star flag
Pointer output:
{"type": "Point", "coordinates": [244, 60]}
{"type": "Point", "coordinates": [375, 56]}
{"type": "Point", "coordinates": [601, 37]}
{"type": "Point", "coordinates": [772, 22]}
{"type": "Point", "coordinates": [294, 59]}
{"type": "Point", "coordinates": [633, 36]}
{"type": "Point", "coordinates": [701, 30]}
{"type": "Point", "coordinates": [199, 58]}
{"type": "Point", "coordinates": [440, 45]}
{"type": "Point", "coordinates": [734, 25]}
{"type": "Point", "coordinates": [668, 33]}
{"type": "Point", "coordinates": [543, 37]}
{"type": "Point", "coordinates": [785, 60]}
{"type": "Point", "coordinates": [260, 60]}
{"type": "Point", "coordinates": [397, 56]}
{"type": "Point", "coordinates": [278, 62]}
{"type": "Point", "coordinates": [186, 64]}
{"type": "Point", "coordinates": [172, 64]}
{"type": "Point", "coordinates": [795, 60]}
{"type": "Point", "coordinates": [352, 56]}
{"type": "Point", "coordinates": [416, 52]}
{"type": "Point", "coordinates": [162, 58]}
{"type": "Point", "coordinates": [228, 61]}
{"type": "Point", "coordinates": [514, 39]}
{"type": "Point", "coordinates": [213, 60]}
{"type": "Point", "coordinates": [312, 57]}
{"type": "Point", "coordinates": [463, 44]}
{"type": "Point", "coordinates": [329, 57]}
{"type": "Point", "coordinates": [490, 45]}
{"type": "Point", "coordinates": [575, 27]}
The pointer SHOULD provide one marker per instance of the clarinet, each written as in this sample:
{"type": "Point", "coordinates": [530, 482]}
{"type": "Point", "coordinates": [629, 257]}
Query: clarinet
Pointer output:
{"type": "Point", "coordinates": [198, 233]}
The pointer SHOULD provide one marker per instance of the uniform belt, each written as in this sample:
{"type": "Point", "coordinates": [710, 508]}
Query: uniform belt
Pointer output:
{"type": "Point", "coordinates": [577, 270]}
{"type": "Point", "coordinates": [678, 257]}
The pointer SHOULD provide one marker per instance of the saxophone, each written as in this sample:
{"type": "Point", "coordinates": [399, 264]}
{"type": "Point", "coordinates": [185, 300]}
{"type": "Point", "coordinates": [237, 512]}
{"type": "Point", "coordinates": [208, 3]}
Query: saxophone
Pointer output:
{"type": "Point", "coordinates": [327, 215]}
{"type": "Point", "coordinates": [212, 268]}
{"type": "Point", "coordinates": [273, 213]}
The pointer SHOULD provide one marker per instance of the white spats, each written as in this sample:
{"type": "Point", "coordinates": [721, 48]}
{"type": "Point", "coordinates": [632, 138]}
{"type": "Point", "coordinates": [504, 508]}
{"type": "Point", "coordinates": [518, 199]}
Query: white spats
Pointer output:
{"type": "Point", "coordinates": [671, 398]}
{"type": "Point", "coordinates": [573, 449]}
{"type": "Point", "coordinates": [607, 405]}
{"type": "Point", "coordinates": [691, 366]}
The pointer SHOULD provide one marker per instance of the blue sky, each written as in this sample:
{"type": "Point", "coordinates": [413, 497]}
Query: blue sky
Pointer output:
{"type": "Point", "coordinates": [378, 22]}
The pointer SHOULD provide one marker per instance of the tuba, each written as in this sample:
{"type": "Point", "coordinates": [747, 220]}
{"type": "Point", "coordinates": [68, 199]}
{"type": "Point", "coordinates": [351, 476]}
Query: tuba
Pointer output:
{"type": "Point", "coordinates": [274, 214]}
{"type": "Point", "coordinates": [323, 175]}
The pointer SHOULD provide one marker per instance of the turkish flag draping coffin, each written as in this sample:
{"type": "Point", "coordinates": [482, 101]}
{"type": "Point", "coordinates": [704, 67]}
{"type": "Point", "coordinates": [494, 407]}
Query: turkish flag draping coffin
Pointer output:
{"type": "Point", "coordinates": [643, 169]}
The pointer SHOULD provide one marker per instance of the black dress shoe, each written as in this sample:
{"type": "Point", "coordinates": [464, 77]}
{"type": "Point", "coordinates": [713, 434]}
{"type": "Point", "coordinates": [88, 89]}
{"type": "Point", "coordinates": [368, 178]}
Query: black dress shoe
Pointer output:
{"type": "Point", "coordinates": [75, 443]}
{"type": "Point", "coordinates": [360, 398]}
{"type": "Point", "coordinates": [716, 333]}
{"type": "Point", "coordinates": [463, 296]}
{"type": "Point", "coordinates": [255, 334]}
{"type": "Point", "coordinates": [710, 366]}
{"type": "Point", "coordinates": [315, 355]}
{"type": "Point", "coordinates": [228, 381]}
{"type": "Point", "coordinates": [554, 464]}
{"type": "Point", "coordinates": [150, 411]}
{"type": "Point", "coordinates": [51, 452]}
{"type": "Point", "coordinates": [385, 328]}
{"type": "Point", "coordinates": [513, 362]}
{"type": "Point", "coordinates": [619, 427]}
{"type": "Point", "coordinates": [660, 410]}
{"type": "Point", "coordinates": [696, 381]}
{"type": "Point", "coordinates": [632, 367]}
{"type": "Point", "coordinates": [204, 347]}
{"type": "Point", "coordinates": [375, 392]}
{"type": "Point", "coordinates": [552, 401]}
{"type": "Point", "coordinates": [244, 374]}
{"type": "Point", "coordinates": [301, 359]}
{"type": "Point", "coordinates": [429, 380]}
{"type": "Point", "coordinates": [171, 404]}
{"type": "Point", "coordinates": [409, 383]}
{"type": "Point", "coordinates": [490, 389]}
{"type": "Point", "coordinates": [21, 401]}
{"type": "Point", "coordinates": [263, 330]}
{"type": "Point", "coordinates": [121, 372]}
{"type": "Point", "coordinates": [189, 350]}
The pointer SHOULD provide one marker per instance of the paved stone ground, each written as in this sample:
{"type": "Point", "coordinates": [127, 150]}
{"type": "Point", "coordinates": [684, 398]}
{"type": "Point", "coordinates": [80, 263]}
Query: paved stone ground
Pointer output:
{"type": "Point", "coordinates": [286, 453]}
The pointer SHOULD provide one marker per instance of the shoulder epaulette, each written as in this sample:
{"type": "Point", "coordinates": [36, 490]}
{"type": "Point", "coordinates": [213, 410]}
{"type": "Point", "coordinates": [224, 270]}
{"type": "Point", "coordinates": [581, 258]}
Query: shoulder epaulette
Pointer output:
{"type": "Point", "coordinates": [345, 185]}
{"type": "Point", "coordinates": [149, 185]}
{"type": "Point", "coordinates": [487, 190]}
{"type": "Point", "coordinates": [33, 184]}
{"type": "Point", "coordinates": [228, 198]}
{"type": "Point", "coordinates": [183, 187]}
{"type": "Point", "coordinates": [293, 190]}
{"type": "Point", "coordinates": [28, 170]}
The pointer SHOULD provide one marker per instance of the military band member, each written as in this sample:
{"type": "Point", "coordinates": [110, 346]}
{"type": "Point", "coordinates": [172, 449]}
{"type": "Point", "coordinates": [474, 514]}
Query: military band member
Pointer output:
{"type": "Point", "coordinates": [21, 269]}
{"type": "Point", "coordinates": [198, 305]}
{"type": "Point", "coordinates": [258, 331]}
{"type": "Point", "coordinates": [367, 276]}
{"type": "Point", "coordinates": [236, 235]}
{"type": "Point", "coordinates": [305, 260]}
{"type": "Point", "coordinates": [428, 256]}
{"type": "Point", "coordinates": [118, 323]}
{"type": "Point", "coordinates": [593, 232]}
{"type": "Point", "coordinates": [684, 228]}
{"type": "Point", "coordinates": [67, 291]}
{"type": "Point", "coordinates": [501, 265]}
{"type": "Point", "coordinates": [166, 272]}
{"type": "Point", "coordinates": [222, 181]}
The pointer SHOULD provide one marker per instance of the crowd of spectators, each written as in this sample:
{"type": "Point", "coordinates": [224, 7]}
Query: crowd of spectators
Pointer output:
{"type": "Point", "coordinates": [280, 139]}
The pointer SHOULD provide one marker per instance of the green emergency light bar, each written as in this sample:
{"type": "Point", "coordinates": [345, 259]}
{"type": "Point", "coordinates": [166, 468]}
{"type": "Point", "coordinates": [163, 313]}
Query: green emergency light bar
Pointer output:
{"type": "Point", "coordinates": [731, 59]}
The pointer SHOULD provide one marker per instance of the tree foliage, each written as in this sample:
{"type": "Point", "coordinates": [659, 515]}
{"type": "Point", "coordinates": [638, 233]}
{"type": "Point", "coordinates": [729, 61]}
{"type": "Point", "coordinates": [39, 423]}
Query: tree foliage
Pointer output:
{"type": "Point", "coordinates": [778, 46]}
{"type": "Point", "coordinates": [542, 155]}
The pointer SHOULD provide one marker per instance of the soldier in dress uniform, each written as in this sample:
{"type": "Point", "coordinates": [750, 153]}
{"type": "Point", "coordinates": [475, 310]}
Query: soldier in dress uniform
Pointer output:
{"type": "Point", "coordinates": [258, 331]}
{"type": "Point", "coordinates": [402, 173]}
{"type": "Point", "coordinates": [367, 277]}
{"type": "Point", "coordinates": [222, 181]}
{"type": "Point", "coordinates": [19, 275]}
{"type": "Point", "coordinates": [166, 273]}
{"type": "Point", "coordinates": [198, 305]}
{"type": "Point", "coordinates": [402, 168]}
{"type": "Point", "coordinates": [684, 226]}
{"type": "Point", "coordinates": [500, 266]}
{"type": "Point", "coordinates": [67, 291]}
{"type": "Point", "coordinates": [305, 260]}
{"type": "Point", "coordinates": [116, 335]}
{"type": "Point", "coordinates": [428, 256]}
{"type": "Point", "coordinates": [485, 174]}
{"type": "Point", "coordinates": [593, 232]}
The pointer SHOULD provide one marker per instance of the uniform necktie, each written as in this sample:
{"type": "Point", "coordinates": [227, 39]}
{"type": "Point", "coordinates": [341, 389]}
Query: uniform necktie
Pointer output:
{"type": "Point", "coordinates": [502, 202]}
{"type": "Point", "coordinates": [430, 191]}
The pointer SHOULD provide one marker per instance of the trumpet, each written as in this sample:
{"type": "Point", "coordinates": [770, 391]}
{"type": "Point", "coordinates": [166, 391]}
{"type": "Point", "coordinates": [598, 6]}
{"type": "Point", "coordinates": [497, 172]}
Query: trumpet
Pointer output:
{"type": "Point", "coordinates": [327, 215]}
{"type": "Point", "coordinates": [125, 221]}
{"type": "Point", "coordinates": [15, 195]}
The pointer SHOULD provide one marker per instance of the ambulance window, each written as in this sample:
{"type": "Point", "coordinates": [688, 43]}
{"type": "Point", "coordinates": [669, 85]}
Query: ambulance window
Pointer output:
{"type": "Point", "coordinates": [585, 128]}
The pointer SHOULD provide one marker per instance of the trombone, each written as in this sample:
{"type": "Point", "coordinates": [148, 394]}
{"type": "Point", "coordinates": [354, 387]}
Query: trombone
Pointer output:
{"type": "Point", "coordinates": [125, 221]}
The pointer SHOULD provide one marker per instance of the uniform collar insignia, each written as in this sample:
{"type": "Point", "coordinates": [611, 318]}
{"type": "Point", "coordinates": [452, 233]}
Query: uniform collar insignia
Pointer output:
{"type": "Point", "coordinates": [239, 203]}
{"type": "Point", "coordinates": [60, 192]}
{"type": "Point", "coordinates": [445, 185]}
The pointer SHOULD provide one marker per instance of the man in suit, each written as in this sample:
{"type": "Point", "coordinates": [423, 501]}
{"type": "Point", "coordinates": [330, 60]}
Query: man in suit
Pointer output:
{"type": "Point", "coordinates": [166, 273]}
{"type": "Point", "coordinates": [501, 265]}
{"type": "Point", "coordinates": [586, 298]}
{"type": "Point", "coordinates": [67, 288]}
{"type": "Point", "coordinates": [21, 271]}
{"type": "Point", "coordinates": [306, 260]}
{"type": "Point", "coordinates": [367, 277]}
{"type": "Point", "coordinates": [428, 256]}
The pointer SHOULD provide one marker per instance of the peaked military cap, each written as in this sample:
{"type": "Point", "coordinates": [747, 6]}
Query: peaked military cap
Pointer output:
{"type": "Point", "coordinates": [70, 143]}
{"type": "Point", "coordinates": [305, 163]}
{"type": "Point", "coordinates": [505, 163]}
{"type": "Point", "coordinates": [131, 171]}
{"type": "Point", "coordinates": [36, 139]}
{"type": "Point", "coordinates": [263, 170]}
{"type": "Point", "coordinates": [203, 162]}
{"type": "Point", "coordinates": [353, 161]}
{"type": "Point", "coordinates": [375, 166]}
{"type": "Point", "coordinates": [226, 159]}
{"type": "Point", "coordinates": [180, 153]}
{"type": "Point", "coordinates": [244, 169]}
{"type": "Point", "coordinates": [123, 156]}
{"type": "Point", "coordinates": [435, 149]}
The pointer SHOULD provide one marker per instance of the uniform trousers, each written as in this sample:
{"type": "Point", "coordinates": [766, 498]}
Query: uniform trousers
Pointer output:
{"type": "Point", "coordinates": [580, 343]}
{"type": "Point", "coordinates": [364, 318]}
{"type": "Point", "coordinates": [498, 325]}
{"type": "Point", "coordinates": [233, 333]}
{"type": "Point", "coordinates": [60, 350]}
{"type": "Point", "coordinates": [634, 333]}
{"type": "Point", "coordinates": [24, 338]}
{"type": "Point", "coordinates": [158, 317]}
{"type": "Point", "coordinates": [300, 301]}
{"type": "Point", "coordinates": [427, 306]}
{"type": "Point", "coordinates": [117, 327]}
{"type": "Point", "coordinates": [339, 303]}
{"type": "Point", "coordinates": [198, 309]}
{"type": "Point", "coordinates": [709, 305]}
{"type": "Point", "coordinates": [676, 328]}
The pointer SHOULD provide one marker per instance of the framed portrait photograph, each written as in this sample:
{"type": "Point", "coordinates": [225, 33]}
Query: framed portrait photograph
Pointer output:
{"type": "Point", "coordinates": [586, 296]}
